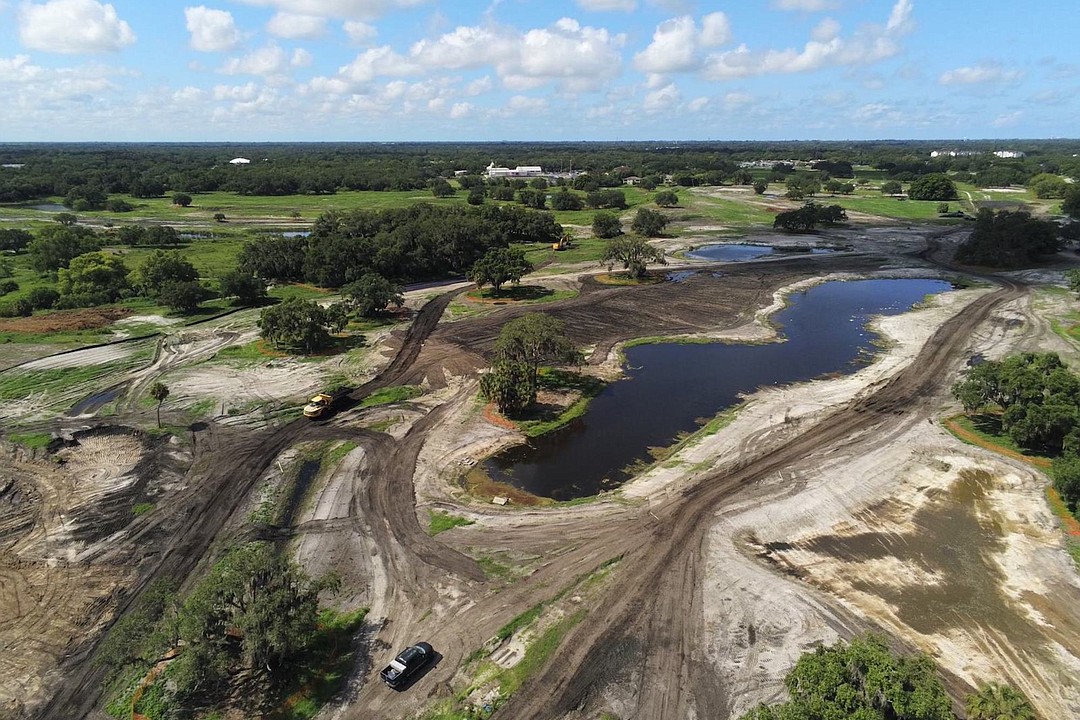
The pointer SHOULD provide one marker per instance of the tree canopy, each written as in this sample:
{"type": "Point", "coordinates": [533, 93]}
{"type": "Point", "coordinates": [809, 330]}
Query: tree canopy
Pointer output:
{"type": "Point", "coordinates": [91, 279]}
{"type": "Point", "coordinates": [809, 216]}
{"type": "Point", "coordinates": [860, 680]}
{"type": "Point", "coordinates": [934, 186]}
{"type": "Point", "coordinates": [649, 223]}
{"type": "Point", "coordinates": [1038, 396]}
{"type": "Point", "coordinates": [633, 253]}
{"type": "Point", "coordinates": [499, 266]}
{"type": "Point", "coordinates": [304, 325]}
{"type": "Point", "coordinates": [523, 345]}
{"type": "Point", "coordinates": [606, 225]}
{"type": "Point", "coordinates": [372, 294]}
{"type": "Point", "coordinates": [163, 268]}
{"type": "Point", "coordinates": [1008, 239]}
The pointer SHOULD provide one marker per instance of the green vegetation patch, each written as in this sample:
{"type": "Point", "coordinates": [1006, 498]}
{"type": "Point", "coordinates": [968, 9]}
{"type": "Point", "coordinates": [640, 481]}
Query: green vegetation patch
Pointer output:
{"type": "Point", "coordinates": [537, 653]}
{"type": "Point", "coordinates": [329, 659]}
{"type": "Point", "coordinates": [255, 351]}
{"type": "Point", "coordinates": [552, 379]}
{"type": "Point", "coordinates": [442, 521]}
{"type": "Point", "coordinates": [391, 395]}
{"type": "Point", "coordinates": [337, 454]}
{"type": "Point", "coordinates": [520, 295]}
{"type": "Point", "coordinates": [17, 384]}
{"type": "Point", "coordinates": [33, 441]}
{"type": "Point", "coordinates": [141, 508]}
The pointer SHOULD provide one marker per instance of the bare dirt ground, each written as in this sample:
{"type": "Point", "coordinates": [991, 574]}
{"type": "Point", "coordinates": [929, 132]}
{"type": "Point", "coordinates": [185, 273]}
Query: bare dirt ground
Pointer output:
{"type": "Point", "coordinates": [822, 510]}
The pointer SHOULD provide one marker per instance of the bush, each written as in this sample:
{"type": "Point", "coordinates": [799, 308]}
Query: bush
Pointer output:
{"type": "Point", "coordinates": [42, 298]}
{"type": "Point", "coordinates": [8, 286]}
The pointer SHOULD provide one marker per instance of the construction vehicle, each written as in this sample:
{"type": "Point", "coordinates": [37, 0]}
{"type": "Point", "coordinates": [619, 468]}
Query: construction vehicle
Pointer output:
{"type": "Point", "coordinates": [321, 404]}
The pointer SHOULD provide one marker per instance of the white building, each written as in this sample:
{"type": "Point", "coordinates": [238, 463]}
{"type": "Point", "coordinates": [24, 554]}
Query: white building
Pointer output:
{"type": "Point", "coordinates": [521, 171]}
{"type": "Point", "coordinates": [1008, 153]}
{"type": "Point", "coordinates": [239, 161]}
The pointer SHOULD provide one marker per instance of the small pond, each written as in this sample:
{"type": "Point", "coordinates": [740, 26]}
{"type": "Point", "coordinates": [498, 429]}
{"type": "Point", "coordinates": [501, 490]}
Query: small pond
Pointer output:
{"type": "Point", "coordinates": [732, 252]}
{"type": "Point", "coordinates": [50, 207]}
{"type": "Point", "coordinates": [669, 385]}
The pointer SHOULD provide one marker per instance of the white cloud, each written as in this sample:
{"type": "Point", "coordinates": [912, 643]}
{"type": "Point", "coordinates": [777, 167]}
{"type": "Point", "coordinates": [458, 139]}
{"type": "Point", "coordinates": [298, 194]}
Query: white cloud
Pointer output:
{"type": "Point", "coordinates": [211, 30]}
{"type": "Point", "coordinates": [825, 30]}
{"type": "Point", "coordinates": [479, 86]}
{"type": "Point", "coordinates": [1008, 119]}
{"type": "Point", "coordinates": [380, 61]}
{"type": "Point", "coordinates": [666, 98]}
{"type": "Point", "coordinates": [870, 44]}
{"type": "Point", "coordinates": [979, 75]}
{"type": "Point", "coordinates": [292, 26]}
{"type": "Point", "coordinates": [73, 27]}
{"type": "Point", "coordinates": [606, 5]}
{"type": "Point", "coordinates": [267, 61]}
{"type": "Point", "coordinates": [805, 5]}
{"type": "Point", "coordinates": [525, 104]}
{"type": "Point", "coordinates": [900, 18]}
{"type": "Point", "coordinates": [460, 110]}
{"type": "Point", "coordinates": [715, 30]}
{"type": "Point", "coordinates": [360, 33]}
{"type": "Point", "coordinates": [18, 70]}
{"type": "Point", "coordinates": [676, 42]}
{"type": "Point", "coordinates": [301, 58]}
{"type": "Point", "coordinates": [577, 58]}
{"type": "Point", "coordinates": [339, 9]}
{"type": "Point", "coordinates": [697, 104]}
{"type": "Point", "coordinates": [737, 99]}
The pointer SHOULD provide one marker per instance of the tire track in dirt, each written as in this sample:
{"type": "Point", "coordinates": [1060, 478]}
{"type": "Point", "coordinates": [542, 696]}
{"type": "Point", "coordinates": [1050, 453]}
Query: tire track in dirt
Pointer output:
{"type": "Point", "coordinates": [231, 470]}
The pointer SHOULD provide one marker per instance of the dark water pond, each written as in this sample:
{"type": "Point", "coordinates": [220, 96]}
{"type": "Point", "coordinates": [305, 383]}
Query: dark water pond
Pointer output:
{"type": "Point", "coordinates": [669, 385]}
{"type": "Point", "coordinates": [50, 207]}
{"type": "Point", "coordinates": [726, 252]}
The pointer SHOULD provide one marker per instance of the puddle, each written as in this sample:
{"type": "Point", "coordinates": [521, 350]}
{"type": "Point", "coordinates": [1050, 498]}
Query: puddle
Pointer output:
{"type": "Point", "coordinates": [95, 402]}
{"type": "Point", "coordinates": [734, 252]}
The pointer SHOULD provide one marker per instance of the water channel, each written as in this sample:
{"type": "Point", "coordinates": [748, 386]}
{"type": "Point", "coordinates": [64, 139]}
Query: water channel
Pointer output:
{"type": "Point", "coordinates": [669, 385]}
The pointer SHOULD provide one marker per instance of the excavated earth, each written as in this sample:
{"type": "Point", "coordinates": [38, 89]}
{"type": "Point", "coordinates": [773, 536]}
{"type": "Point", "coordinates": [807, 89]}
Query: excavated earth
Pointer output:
{"type": "Point", "coordinates": [822, 510]}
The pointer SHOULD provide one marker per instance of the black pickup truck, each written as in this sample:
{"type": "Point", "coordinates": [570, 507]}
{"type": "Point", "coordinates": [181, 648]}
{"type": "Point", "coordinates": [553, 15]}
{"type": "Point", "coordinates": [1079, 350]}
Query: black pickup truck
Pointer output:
{"type": "Point", "coordinates": [406, 664]}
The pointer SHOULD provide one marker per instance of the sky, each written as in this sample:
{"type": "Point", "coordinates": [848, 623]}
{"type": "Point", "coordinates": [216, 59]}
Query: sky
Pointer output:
{"type": "Point", "coordinates": [548, 70]}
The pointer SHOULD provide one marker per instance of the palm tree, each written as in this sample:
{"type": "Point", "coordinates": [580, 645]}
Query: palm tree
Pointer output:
{"type": "Point", "coordinates": [995, 701]}
{"type": "Point", "coordinates": [159, 391]}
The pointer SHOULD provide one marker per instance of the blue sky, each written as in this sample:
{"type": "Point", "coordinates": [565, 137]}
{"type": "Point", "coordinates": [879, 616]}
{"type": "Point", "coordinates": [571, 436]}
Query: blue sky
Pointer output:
{"type": "Point", "coordinates": [360, 70]}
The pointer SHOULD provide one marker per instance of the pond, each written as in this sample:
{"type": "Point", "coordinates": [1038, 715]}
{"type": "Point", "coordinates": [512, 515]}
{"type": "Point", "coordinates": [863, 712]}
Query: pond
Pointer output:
{"type": "Point", "coordinates": [733, 252]}
{"type": "Point", "coordinates": [669, 385]}
{"type": "Point", "coordinates": [50, 207]}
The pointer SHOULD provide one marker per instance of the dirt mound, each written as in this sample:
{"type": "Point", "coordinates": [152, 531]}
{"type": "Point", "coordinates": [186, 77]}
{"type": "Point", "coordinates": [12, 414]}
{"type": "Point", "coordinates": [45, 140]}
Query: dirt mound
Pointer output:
{"type": "Point", "coordinates": [65, 320]}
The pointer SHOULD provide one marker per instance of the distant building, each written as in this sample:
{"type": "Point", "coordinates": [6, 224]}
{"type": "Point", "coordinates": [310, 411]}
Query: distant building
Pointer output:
{"type": "Point", "coordinates": [1008, 153]}
{"type": "Point", "coordinates": [239, 161]}
{"type": "Point", "coordinates": [632, 180]}
{"type": "Point", "coordinates": [954, 153]}
{"type": "Point", "coordinates": [520, 171]}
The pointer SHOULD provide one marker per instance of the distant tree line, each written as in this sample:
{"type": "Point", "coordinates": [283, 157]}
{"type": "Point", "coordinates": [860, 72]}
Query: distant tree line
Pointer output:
{"type": "Point", "coordinates": [87, 175]}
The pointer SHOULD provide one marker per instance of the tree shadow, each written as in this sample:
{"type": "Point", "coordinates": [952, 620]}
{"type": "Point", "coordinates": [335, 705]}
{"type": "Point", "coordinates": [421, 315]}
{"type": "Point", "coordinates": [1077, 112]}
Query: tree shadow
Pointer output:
{"type": "Point", "coordinates": [514, 293]}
